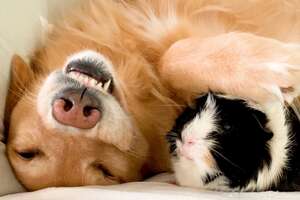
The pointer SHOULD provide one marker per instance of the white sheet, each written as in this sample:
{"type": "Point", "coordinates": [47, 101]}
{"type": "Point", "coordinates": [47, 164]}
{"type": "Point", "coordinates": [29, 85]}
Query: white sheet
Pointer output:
{"type": "Point", "coordinates": [156, 188]}
{"type": "Point", "coordinates": [145, 191]}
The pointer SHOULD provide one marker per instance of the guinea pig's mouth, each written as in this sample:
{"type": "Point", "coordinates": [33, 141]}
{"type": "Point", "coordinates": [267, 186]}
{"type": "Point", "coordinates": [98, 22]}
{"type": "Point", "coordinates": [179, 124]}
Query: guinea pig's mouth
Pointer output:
{"type": "Point", "coordinates": [211, 177]}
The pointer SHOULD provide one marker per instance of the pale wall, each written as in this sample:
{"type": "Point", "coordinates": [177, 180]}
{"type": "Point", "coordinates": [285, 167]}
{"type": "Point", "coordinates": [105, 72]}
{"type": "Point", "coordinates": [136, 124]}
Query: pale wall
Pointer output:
{"type": "Point", "coordinates": [20, 29]}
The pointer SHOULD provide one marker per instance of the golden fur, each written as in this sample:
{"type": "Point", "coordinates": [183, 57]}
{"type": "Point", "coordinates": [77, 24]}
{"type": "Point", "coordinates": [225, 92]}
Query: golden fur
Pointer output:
{"type": "Point", "coordinates": [136, 36]}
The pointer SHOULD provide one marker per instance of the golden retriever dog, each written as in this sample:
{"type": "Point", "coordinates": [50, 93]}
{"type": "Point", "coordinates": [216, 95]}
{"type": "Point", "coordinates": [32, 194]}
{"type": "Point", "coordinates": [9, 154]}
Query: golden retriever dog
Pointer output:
{"type": "Point", "coordinates": [98, 96]}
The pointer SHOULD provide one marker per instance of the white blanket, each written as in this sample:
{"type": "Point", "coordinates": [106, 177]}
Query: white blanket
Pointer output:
{"type": "Point", "coordinates": [145, 191]}
{"type": "Point", "coordinates": [156, 188]}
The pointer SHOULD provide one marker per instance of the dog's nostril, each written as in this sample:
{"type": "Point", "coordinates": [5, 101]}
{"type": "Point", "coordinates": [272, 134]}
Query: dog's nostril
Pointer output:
{"type": "Point", "coordinates": [67, 104]}
{"type": "Point", "coordinates": [77, 110]}
{"type": "Point", "coordinates": [87, 110]}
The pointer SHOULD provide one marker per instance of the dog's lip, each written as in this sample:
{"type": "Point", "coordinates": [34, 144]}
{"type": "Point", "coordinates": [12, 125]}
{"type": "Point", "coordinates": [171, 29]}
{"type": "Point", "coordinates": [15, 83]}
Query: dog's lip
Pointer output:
{"type": "Point", "coordinates": [90, 75]}
{"type": "Point", "coordinates": [85, 72]}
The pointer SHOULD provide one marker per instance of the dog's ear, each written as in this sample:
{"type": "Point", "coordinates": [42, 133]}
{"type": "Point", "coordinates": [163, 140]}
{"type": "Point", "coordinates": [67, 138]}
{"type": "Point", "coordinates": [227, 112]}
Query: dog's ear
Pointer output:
{"type": "Point", "coordinates": [20, 77]}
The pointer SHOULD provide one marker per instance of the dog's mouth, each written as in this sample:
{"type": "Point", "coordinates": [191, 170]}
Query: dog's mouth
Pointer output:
{"type": "Point", "coordinates": [91, 73]}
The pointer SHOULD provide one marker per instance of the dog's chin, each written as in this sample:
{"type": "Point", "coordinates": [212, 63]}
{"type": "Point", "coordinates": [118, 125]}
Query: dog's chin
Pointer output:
{"type": "Point", "coordinates": [91, 73]}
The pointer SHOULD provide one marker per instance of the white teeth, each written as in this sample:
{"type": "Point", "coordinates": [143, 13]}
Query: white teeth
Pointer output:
{"type": "Point", "coordinates": [73, 75]}
{"type": "Point", "coordinates": [90, 82]}
{"type": "Point", "coordinates": [80, 78]}
{"type": "Point", "coordinates": [86, 80]}
{"type": "Point", "coordinates": [106, 85]}
{"type": "Point", "coordinates": [93, 82]}
{"type": "Point", "coordinates": [99, 86]}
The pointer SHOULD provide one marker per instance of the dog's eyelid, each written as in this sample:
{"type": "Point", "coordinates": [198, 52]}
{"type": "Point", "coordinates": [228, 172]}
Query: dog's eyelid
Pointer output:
{"type": "Point", "coordinates": [103, 169]}
{"type": "Point", "coordinates": [29, 154]}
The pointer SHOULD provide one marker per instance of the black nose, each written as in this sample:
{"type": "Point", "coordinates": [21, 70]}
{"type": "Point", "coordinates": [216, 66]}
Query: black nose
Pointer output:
{"type": "Point", "coordinates": [77, 108]}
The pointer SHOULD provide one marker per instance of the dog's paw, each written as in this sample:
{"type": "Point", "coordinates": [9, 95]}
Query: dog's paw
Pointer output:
{"type": "Point", "coordinates": [239, 64]}
{"type": "Point", "coordinates": [271, 67]}
{"type": "Point", "coordinates": [277, 79]}
{"type": "Point", "coordinates": [288, 78]}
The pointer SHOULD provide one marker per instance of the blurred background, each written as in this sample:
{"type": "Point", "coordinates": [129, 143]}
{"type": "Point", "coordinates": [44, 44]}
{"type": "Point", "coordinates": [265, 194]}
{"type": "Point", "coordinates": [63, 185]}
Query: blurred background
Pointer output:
{"type": "Point", "coordinates": [20, 31]}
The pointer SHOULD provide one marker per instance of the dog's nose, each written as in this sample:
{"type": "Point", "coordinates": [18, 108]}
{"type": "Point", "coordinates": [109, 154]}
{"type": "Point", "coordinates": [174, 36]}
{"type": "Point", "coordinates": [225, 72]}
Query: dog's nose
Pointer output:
{"type": "Point", "coordinates": [76, 108]}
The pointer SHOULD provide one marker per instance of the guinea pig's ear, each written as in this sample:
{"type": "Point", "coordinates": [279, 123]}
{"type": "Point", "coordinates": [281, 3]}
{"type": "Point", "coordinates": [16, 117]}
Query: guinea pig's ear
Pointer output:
{"type": "Point", "coordinates": [262, 121]}
{"type": "Point", "coordinates": [20, 77]}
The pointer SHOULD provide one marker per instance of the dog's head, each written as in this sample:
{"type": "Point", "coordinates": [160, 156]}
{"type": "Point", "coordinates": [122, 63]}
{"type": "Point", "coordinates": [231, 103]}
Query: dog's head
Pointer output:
{"type": "Point", "coordinates": [91, 107]}
{"type": "Point", "coordinates": [71, 125]}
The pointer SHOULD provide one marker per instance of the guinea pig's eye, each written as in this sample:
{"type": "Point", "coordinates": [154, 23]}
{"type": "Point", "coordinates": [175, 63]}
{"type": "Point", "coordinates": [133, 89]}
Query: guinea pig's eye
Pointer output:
{"type": "Point", "coordinates": [227, 127]}
{"type": "Point", "coordinates": [29, 154]}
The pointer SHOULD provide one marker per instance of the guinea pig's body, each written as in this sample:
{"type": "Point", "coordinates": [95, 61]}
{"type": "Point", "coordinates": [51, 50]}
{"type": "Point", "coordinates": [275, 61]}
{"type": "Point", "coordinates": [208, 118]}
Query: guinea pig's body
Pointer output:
{"type": "Point", "coordinates": [229, 144]}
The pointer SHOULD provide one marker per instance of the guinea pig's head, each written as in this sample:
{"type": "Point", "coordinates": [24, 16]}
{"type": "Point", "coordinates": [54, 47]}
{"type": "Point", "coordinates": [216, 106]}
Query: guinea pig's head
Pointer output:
{"type": "Point", "coordinates": [220, 144]}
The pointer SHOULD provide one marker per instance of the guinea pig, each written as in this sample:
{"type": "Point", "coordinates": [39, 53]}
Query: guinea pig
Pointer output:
{"type": "Point", "coordinates": [230, 144]}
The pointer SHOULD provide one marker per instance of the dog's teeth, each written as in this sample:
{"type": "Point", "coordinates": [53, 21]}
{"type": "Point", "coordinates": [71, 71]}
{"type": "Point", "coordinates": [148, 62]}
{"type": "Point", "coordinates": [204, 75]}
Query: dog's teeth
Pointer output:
{"type": "Point", "coordinates": [93, 82]}
{"type": "Point", "coordinates": [87, 80]}
{"type": "Point", "coordinates": [106, 85]}
{"type": "Point", "coordinates": [99, 86]}
{"type": "Point", "coordinates": [72, 75]}
{"type": "Point", "coordinates": [81, 78]}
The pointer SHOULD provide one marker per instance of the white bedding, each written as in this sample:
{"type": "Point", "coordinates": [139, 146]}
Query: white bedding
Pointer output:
{"type": "Point", "coordinates": [145, 191]}
{"type": "Point", "coordinates": [156, 188]}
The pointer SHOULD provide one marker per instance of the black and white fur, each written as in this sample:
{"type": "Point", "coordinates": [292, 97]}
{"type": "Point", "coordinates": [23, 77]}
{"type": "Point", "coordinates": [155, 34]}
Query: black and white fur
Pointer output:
{"type": "Point", "coordinates": [229, 144]}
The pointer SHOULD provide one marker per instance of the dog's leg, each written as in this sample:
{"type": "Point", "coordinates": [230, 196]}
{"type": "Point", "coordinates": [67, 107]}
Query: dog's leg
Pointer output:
{"type": "Point", "coordinates": [239, 64]}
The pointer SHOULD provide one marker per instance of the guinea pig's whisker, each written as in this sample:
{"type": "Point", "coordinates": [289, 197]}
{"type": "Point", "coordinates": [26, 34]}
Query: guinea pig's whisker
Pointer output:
{"type": "Point", "coordinates": [172, 134]}
{"type": "Point", "coordinates": [171, 137]}
{"type": "Point", "coordinates": [228, 160]}
{"type": "Point", "coordinates": [259, 123]}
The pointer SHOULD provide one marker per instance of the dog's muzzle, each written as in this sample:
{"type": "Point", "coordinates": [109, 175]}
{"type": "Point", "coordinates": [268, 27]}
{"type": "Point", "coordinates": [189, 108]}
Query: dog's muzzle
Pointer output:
{"type": "Point", "coordinates": [77, 104]}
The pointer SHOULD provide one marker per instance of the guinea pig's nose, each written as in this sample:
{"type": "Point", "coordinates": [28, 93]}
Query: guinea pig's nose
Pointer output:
{"type": "Point", "coordinates": [76, 108]}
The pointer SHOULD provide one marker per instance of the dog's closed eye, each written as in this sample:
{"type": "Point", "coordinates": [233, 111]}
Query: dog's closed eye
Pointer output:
{"type": "Point", "coordinates": [29, 154]}
{"type": "Point", "coordinates": [106, 173]}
